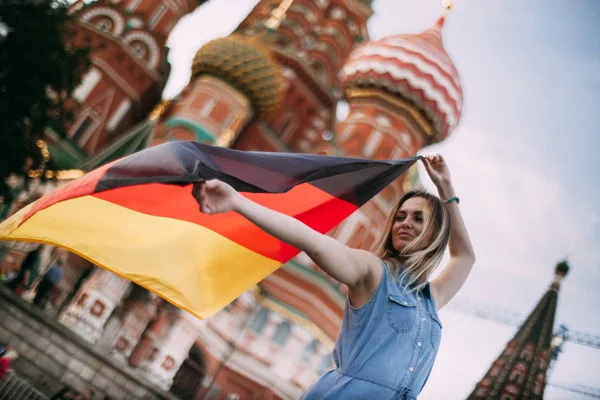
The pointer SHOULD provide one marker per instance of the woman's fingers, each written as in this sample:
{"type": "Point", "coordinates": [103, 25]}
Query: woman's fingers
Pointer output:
{"type": "Point", "coordinates": [203, 198]}
{"type": "Point", "coordinates": [434, 159]}
{"type": "Point", "coordinates": [427, 163]}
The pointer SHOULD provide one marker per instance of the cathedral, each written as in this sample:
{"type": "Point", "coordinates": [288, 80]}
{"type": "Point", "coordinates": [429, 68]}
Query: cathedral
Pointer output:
{"type": "Point", "coordinates": [274, 84]}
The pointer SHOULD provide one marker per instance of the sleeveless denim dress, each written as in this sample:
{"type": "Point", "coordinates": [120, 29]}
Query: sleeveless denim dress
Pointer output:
{"type": "Point", "coordinates": [385, 349]}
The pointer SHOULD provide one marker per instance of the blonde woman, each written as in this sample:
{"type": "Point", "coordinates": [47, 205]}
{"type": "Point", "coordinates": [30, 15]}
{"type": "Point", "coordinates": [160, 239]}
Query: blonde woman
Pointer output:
{"type": "Point", "coordinates": [391, 331]}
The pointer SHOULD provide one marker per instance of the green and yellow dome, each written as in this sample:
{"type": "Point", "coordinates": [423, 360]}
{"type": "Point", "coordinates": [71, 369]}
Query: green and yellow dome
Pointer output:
{"type": "Point", "coordinates": [246, 64]}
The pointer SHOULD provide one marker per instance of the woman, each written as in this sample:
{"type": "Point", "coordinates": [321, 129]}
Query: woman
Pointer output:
{"type": "Point", "coordinates": [391, 332]}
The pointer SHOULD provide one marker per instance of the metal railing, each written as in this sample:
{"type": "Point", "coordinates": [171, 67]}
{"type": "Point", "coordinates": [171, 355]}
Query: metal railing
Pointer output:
{"type": "Point", "coordinates": [12, 387]}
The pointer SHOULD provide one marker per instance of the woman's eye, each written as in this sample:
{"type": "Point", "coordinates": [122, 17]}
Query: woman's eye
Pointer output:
{"type": "Point", "coordinates": [399, 217]}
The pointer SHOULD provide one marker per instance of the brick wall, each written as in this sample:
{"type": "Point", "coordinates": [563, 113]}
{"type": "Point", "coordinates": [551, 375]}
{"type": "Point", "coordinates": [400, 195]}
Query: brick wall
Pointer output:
{"type": "Point", "coordinates": [51, 356]}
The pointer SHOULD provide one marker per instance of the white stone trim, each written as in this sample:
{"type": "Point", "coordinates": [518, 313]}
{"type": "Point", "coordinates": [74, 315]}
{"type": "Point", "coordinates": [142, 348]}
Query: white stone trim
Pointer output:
{"type": "Point", "coordinates": [372, 144]}
{"type": "Point", "coordinates": [114, 16]}
{"type": "Point", "coordinates": [122, 83]}
{"type": "Point", "coordinates": [149, 41]}
{"type": "Point", "coordinates": [91, 78]}
{"type": "Point", "coordinates": [118, 115]}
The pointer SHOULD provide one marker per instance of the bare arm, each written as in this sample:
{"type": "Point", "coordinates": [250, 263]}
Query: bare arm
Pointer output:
{"type": "Point", "coordinates": [462, 255]}
{"type": "Point", "coordinates": [346, 265]}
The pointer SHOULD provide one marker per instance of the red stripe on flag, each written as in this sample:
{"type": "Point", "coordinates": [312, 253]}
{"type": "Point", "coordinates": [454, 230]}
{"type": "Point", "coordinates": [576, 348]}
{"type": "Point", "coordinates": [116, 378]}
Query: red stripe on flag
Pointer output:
{"type": "Point", "coordinates": [314, 207]}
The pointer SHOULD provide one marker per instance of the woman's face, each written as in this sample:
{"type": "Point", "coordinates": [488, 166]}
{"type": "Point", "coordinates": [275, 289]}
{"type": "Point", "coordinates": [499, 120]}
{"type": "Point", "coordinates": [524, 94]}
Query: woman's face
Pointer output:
{"type": "Point", "coordinates": [408, 223]}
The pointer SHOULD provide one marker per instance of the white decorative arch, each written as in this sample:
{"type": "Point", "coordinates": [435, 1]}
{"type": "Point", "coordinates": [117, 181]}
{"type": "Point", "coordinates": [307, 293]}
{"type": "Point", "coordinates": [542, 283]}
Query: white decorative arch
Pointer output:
{"type": "Point", "coordinates": [118, 22]}
{"type": "Point", "coordinates": [153, 51]}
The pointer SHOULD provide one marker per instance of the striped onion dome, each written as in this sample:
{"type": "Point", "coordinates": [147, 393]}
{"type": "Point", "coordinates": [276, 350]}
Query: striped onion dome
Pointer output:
{"type": "Point", "coordinates": [414, 68]}
{"type": "Point", "coordinates": [245, 63]}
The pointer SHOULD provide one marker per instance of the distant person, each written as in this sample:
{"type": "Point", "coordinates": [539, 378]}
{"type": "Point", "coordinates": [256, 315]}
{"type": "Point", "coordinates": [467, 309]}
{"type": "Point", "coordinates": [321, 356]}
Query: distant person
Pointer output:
{"type": "Point", "coordinates": [27, 272]}
{"type": "Point", "coordinates": [391, 331]}
{"type": "Point", "coordinates": [65, 394]}
{"type": "Point", "coordinates": [51, 279]}
{"type": "Point", "coordinates": [7, 354]}
{"type": "Point", "coordinates": [87, 394]}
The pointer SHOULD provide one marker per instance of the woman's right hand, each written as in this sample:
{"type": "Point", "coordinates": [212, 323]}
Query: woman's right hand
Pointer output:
{"type": "Point", "coordinates": [215, 196]}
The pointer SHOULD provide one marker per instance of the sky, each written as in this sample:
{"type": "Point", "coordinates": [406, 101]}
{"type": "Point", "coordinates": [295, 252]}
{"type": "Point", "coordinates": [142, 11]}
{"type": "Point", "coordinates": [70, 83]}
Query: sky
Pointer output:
{"type": "Point", "coordinates": [523, 162]}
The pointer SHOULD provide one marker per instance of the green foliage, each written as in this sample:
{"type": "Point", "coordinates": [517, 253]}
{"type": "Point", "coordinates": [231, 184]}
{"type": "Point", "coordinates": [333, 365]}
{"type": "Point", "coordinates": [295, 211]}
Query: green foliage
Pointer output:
{"type": "Point", "coordinates": [38, 71]}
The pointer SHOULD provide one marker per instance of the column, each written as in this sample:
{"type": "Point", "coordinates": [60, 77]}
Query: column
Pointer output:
{"type": "Point", "coordinates": [93, 304]}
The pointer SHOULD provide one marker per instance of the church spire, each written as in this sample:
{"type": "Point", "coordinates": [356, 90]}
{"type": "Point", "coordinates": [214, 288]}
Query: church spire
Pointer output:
{"type": "Point", "coordinates": [520, 371]}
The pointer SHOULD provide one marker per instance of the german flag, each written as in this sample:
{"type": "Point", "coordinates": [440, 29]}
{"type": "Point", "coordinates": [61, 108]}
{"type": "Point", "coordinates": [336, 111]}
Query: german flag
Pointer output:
{"type": "Point", "coordinates": [137, 218]}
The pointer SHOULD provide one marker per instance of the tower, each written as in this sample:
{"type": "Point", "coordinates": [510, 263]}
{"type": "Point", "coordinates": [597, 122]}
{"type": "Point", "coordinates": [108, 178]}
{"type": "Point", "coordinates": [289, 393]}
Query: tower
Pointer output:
{"type": "Point", "coordinates": [404, 93]}
{"type": "Point", "coordinates": [311, 45]}
{"type": "Point", "coordinates": [234, 80]}
{"type": "Point", "coordinates": [129, 69]}
{"type": "Point", "coordinates": [520, 370]}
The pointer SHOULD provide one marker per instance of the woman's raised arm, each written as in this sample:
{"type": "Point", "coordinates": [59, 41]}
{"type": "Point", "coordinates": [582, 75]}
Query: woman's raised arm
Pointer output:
{"type": "Point", "coordinates": [462, 255]}
{"type": "Point", "coordinates": [348, 266]}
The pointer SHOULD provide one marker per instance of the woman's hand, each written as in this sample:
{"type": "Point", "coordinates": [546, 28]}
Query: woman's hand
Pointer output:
{"type": "Point", "coordinates": [215, 197]}
{"type": "Point", "coordinates": [437, 169]}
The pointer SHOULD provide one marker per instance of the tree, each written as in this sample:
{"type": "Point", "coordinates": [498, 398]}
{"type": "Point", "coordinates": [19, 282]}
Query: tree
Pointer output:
{"type": "Point", "coordinates": [38, 72]}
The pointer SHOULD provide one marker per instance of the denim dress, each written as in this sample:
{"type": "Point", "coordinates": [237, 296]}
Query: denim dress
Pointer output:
{"type": "Point", "coordinates": [386, 348]}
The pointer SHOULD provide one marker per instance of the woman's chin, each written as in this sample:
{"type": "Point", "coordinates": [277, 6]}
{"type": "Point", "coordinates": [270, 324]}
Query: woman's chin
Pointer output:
{"type": "Point", "coordinates": [400, 245]}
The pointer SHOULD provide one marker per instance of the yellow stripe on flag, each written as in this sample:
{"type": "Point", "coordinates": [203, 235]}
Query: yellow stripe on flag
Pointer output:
{"type": "Point", "coordinates": [191, 266]}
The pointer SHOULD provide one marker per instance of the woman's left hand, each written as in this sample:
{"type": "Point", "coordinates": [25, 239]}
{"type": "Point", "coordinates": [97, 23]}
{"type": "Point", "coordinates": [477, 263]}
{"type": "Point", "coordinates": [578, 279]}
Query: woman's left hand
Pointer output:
{"type": "Point", "coordinates": [437, 169]}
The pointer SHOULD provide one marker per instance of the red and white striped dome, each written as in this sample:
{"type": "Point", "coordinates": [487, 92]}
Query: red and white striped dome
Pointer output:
{"type": "Point", "coordinates": [414, 67]}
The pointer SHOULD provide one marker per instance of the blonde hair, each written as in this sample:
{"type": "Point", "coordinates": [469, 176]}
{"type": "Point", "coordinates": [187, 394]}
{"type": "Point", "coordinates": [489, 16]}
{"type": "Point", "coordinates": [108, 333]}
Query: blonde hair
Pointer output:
{"type": "Point", "coordinates": [420, 258]}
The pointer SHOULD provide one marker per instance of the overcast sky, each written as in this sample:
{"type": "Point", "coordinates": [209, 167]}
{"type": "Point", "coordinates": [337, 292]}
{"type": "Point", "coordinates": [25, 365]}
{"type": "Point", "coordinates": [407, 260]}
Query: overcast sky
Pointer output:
{"type": "Point", "coordinates": [524, 160]}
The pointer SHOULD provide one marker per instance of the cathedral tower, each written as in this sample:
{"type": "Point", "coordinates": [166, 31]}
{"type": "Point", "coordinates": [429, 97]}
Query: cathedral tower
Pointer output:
{"type": "Point", "coordinates": [234, 80]}
{"type": "Point", "coordinates": [311, 45]}
{"type": "Point", "coordinates": [129, 69]}
{"type": "Point", "coordinates": [520, 371]}
{"type": "Point", "coordinates": [404, 93]}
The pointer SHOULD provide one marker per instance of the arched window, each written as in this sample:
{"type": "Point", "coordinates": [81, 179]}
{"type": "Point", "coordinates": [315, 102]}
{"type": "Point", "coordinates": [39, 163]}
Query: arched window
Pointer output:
{"type": "Point", "coordinates": [83, 131]}
{"type": "Point", "coordinates": [294, 26]}
{"type": "Point", "coordinates": [260, 320]}
{"type": "Point", "coordinates": [320, 70]}
{"type": "Point", "coordinates": [282, 334]}
{"type": "Point", "coordinates": [309, 351]}
{"type": "Point", "coordinates": [305, 11]}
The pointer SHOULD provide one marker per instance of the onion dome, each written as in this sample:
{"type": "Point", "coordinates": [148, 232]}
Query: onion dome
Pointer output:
{"type": "Point", "coordinates": [418, 74]}
{"type": "Point", "coordinates": [246, 64]}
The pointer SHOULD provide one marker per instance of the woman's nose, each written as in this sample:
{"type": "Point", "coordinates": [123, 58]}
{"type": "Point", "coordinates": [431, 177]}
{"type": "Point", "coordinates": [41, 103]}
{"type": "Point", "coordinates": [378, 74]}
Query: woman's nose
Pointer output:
{"type": "Point", "coordinates": [406, 223]}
